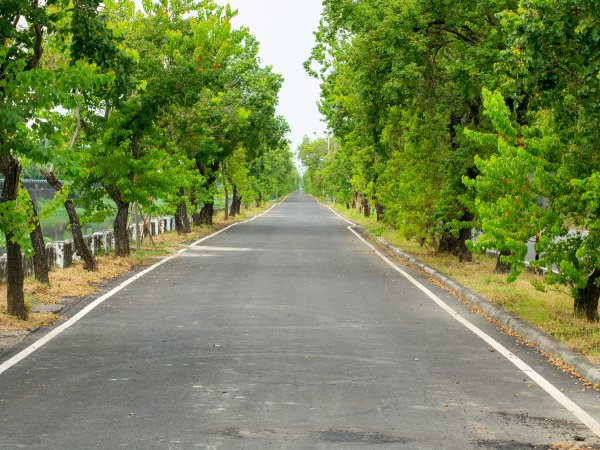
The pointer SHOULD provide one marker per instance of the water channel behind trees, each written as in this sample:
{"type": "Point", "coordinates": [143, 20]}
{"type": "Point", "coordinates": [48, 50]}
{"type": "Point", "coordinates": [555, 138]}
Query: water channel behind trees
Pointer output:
{"type": "Point", "coordinates": [55, 226]}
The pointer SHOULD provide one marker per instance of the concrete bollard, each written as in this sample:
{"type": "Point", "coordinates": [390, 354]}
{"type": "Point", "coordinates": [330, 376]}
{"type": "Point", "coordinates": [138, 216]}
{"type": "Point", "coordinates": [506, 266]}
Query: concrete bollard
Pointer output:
{"type": "Point", "coordinates": [69, 251]}
{"type": "Point", "coordinates": [109, 239]}
{"type": "Point", "coordinates": [63, 253]}
{"type": "Point", "coordinates": [28, 268]}
{"type": "Point", "coordinates": [99, 240]}
{"type": "Point", "coordinates": [50, 256]}
{"type": "Point", "coordinates": [89, 242]}
{"type": "Point", "coordinates": [132, 233]}
{"type": "Point", "coordinates": [60, 254]}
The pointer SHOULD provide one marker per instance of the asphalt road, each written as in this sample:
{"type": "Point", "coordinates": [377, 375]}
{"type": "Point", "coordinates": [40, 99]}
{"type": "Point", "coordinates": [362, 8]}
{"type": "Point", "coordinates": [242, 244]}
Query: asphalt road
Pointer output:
{"type": "Point", "coordinates": [286, 332]}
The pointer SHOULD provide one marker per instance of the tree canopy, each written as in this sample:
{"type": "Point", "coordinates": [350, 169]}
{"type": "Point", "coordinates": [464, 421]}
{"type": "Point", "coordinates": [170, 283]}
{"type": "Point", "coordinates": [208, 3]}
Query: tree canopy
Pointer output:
{"type": "Point", "coordinates": [139, 106]}
{"type": "Point", "coordinates": [457, 116]}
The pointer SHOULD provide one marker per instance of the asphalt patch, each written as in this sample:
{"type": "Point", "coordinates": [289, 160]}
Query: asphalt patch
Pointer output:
{"type": "Point", "coordinates": [361, 437]}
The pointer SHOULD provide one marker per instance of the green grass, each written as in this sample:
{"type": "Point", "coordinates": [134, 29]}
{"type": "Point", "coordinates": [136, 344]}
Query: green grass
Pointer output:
{"type": "Point", "coordinates": [552, 310]}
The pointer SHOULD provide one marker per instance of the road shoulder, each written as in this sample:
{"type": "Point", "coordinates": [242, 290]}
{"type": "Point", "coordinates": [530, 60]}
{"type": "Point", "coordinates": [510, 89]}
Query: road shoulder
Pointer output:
{"type": "Point", "coordinates": [559, 353]}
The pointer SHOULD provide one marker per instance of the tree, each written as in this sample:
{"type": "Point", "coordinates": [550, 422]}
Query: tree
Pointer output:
{"type": "Point", "coordinates": [25, 90]}
{"type": "Point", "coordinates": [529, 165]}
{"type": "Point", "coordinates": [400, 82]}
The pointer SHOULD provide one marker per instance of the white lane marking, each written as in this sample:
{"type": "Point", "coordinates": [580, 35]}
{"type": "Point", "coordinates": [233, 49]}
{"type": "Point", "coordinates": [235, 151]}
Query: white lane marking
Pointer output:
{"type": "Point", "coordinates": [336, 213]}
{"type": "Point", "coordinates": [554, 392]}
{"type": "Point", "coordinates": [58, 330]}
{"type": "Point", "coordinates": [225, 249]}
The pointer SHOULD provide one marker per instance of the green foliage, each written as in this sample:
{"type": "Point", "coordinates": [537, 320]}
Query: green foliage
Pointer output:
{"type": "Point", "coordinates": [133, 106]}
{"type": "Point", "coordinates": [404, 86]}
{"type": "Point", "coordinates": [522, 194]}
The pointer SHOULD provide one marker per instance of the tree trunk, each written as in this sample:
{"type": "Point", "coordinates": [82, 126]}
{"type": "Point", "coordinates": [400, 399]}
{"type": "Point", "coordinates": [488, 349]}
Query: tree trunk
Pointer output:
{"type": "Point", "coordinates": [354, 200]}
{"type": "Point", "coordinates": [259, 200]}
{"type": "Point", "coordinates": [121, 230]}
{"type": "Point", "coordinates": [234, 201]}
{"type": "Point", "coordinates": [586, 299]}
{"type": "Point", "coordinates": [15, 298]}
{"type": "Point", "coordinates": [15, 302]}
{"type": "Point", "coordinates": [81, 249]}
{"type": "Point", "coordinates": [195, 214]}
{"type": "Point", "coordinates": [138, 238]}
{"type": "Point", "coordinates": [182, 223]}
{"type": "Point", "coordinates": [365, 206]}
{"type": "Point", "coordinates": [457, 246]}
{"type": "Point", "coordinates": [502, 267]}
{"type": "Point", "coordinates": [379, 211]}
{"type": "Point", "coordinates": [206, 213]}
{"type": "Point", "coordinates": [210, 174]}
{"type": "Point", "coordinates": [238, 207]}
{"type": "Point", "coordinates": [196, 219]}
{"type": "Point", "coordinates": [226, 201]}
{"type": "Point", "coordinates": [40, 262]}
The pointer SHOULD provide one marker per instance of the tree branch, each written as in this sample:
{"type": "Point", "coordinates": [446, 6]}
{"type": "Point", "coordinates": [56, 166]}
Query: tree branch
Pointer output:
{"type": "Point", "coordinates": [37, 48]}
{"type": "Point", "coordinates": [77, 127]}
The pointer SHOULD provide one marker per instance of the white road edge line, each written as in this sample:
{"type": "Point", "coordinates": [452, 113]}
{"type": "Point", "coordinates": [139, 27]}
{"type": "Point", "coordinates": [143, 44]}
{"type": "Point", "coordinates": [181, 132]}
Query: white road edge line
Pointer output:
{"type": "Point", "coordinates": [554, 392]}
{"type": "Point", "coordinates": [58, 330]}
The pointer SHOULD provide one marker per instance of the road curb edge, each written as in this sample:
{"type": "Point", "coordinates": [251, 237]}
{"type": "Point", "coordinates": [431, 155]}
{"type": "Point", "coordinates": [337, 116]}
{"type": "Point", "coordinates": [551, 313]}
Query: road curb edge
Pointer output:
{"type": "Point", "coordinates": [544, 341]}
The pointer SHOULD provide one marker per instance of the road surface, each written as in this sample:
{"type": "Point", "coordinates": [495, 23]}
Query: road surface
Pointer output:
{"type": "Point", "coordinates": [286, 332]}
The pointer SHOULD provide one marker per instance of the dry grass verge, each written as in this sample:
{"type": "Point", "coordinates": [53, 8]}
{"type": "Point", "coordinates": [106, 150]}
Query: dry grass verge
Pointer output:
{"type": "Point", "coordinates": [551, 310]}
{"type": "Point", "coordinates": [74, 281]}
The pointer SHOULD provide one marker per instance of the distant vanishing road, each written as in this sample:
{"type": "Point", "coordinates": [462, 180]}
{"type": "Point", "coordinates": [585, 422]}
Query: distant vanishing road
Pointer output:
{"type": "Point", "coordinates": [286, 332]}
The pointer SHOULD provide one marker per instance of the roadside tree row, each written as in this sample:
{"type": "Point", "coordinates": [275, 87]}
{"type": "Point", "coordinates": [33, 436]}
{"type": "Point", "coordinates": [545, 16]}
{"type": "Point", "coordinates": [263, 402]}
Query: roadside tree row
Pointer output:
{"type": "Point", "coordinates": [449, 117]}
{"type": "Point", "coordinates": [157, 108]}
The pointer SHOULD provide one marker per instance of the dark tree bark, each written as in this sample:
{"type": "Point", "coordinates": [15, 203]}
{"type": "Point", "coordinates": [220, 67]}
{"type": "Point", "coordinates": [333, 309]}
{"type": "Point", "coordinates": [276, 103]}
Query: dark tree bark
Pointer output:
{"type": "Point", "coordinates": [81, 249]}
{"type": "Point", "coordinates": [121, 230]}
{"type": "Point", "coordinates": [379, 211]}
{"type": "Point", "coordinates": [15, 303]}
{"type": "Point", "coordinates": [226, 200]}
{"type": "Point", "coordinates": [182, 223]}
{"type": "Point", "coordinates": [457, 245]}
{"type": "Point", "coordinates": [502, 267]}
{"type": "Point", "coordinates": [195, 213]}
{"type": "Point", "coordinates": [359, 203]}
{"type": "Point", "coordinates": [259, 200]}
{"type": "Point", "coordinates": [120, 227]}
{"type": "Point", "coordinates": [586, 300]}
{"type": "Point", "coordinates": [196, 219]}
{"type": "Point", "coordinates": [206, 213]}
{"type": "Point", "coordinates": [234, 202]}
{"type": "Point", "coordinates": [238, 206]}
{"type": "Point", "coordinates": [40, 262]}
{"type": "Point", "coordinates": [15, 300]}
{"type": "Point", "coordinates": [365, 206]}
{"type": "Point", "coordinates": [210, 174]}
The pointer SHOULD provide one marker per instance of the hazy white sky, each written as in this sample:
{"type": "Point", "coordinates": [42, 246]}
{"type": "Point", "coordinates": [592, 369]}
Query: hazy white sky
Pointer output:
{"type": "Point", "coordinates": [284, 29]}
